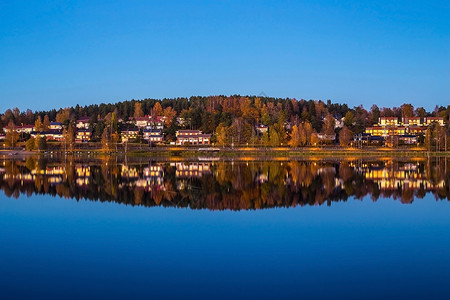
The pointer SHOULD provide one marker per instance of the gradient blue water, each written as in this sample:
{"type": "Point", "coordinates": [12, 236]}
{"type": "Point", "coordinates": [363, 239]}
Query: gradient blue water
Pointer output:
{"type": "Point", "coordinates": [60, 248]}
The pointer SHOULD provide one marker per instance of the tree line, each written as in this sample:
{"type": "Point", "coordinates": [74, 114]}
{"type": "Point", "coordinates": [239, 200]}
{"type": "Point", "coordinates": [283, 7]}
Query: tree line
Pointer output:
{"type": "Point", "coordinates": [231, 119]}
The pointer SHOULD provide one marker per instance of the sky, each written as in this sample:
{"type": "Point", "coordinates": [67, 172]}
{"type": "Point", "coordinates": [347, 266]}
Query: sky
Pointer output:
{"type": "Point", "coordinates": [61, 53]}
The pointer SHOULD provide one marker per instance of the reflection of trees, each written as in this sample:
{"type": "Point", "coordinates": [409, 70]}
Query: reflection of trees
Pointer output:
{"type": "Point", "coordinates": [226, 185]}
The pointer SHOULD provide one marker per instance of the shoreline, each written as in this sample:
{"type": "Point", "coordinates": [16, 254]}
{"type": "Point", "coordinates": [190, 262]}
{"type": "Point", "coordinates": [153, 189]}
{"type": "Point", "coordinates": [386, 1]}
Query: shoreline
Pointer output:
{"type": "Point", "coordinates": [244, 153]}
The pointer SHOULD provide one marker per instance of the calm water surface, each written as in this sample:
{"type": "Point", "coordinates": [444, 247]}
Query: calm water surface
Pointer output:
{"type": "Point", "coordinates": [301, 229]}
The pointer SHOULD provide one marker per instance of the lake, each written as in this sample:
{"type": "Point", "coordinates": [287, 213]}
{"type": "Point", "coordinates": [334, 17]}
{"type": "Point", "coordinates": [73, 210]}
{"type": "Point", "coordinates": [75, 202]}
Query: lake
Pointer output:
{"type": "Point", "coordinates": [188, 229]}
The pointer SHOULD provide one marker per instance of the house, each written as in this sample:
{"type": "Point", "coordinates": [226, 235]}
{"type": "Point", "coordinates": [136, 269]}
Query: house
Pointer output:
{"type": "Point", "coordinates": [157, 122]}
{"type": "Point", "coordinates": [55, 126]}
{"type": "Point", "coordinates": [416, 129]}
{"type": "Point", "coordinates": [182, 122]}
{"type": "Point", "coordinates": [25, 129]}
{"type": "Point", "coordinates": [83, 122]}
{"type": "Point", "coordinates": [376, 131]}
{"type": "Point", "coordinates": [83, 135]}
{"type": "Point", "coordinates": [130, 133]}
{"type": "Point", "coordinates": [429, 120]}
{"type": "Point", "coordinates": [51, 135]}
{"type": "Point", "coordinates": [411, 121]}
{"type": "Point", "coordinates": [399, 130]}
{"type": "Point", "coordinates": [339, 123]}
{"type": "Point", "coordinates": [261, 128]}
{"type": "Point", "coordinates": [21, 129]}
{"type": "Point", "coordinates": [388, 121]}
{"type": "Point", "coordinates": [408, 139]}
{"type": "Point", "coordinates": [385, 131]}
{"type": "Point", "coordinates": [326, 137]}
{"type": "Point", "coordinates": [149, 121]}
{"type": "Point", "coordinates": [153, 135]}
{"type": "Point", "coordinates": [141, 122]}
{"type": "Point", "coordinates": [193, 137]}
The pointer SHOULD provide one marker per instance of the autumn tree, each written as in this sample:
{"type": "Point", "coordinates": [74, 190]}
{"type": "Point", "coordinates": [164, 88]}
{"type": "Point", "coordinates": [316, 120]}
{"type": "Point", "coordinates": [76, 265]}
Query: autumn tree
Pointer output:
{"type": "Point", "coordinates": [407, 110]}
{"type": "Point", "coordinates": [12, 136]}
{"type": "Point", "coordinates": [274, 138]}
{"type": "Point", "coordinates": [222, 135]}
{"type": "Point", "coordinates": [40, 143]}
{"type": "Point", "coordinates": [106, 140]}
{"type": "Point", "coordinates": [46, 123]}
{"type": "Point", "coordinates": [63, 115]}
{"type": "Point", "coordinates": [308, 131]}
{"type": "Point", "coordinates": [328, 126]}
{"type": "Point", "coordinates": [420, 112]}
{"type": "Point", "coordinates": [110, 135]}
{"type": "Point", "coordinates": [265, 139]}
{"type": "Point", "coordinates": [374, 114]}
{"type": "Point", "coordinates": [302, 134]}
{"type": "Point", "coordinates": [348, 120]}
{"type": "Point", "coordinates": [314, 139]}
{"type": "Point", "coordinates": [138, 112]}
{"type": "Point", "coordinates": [295, 140]}
{"type": "Point", "coordinates": [169, 113]}
{"type": "Point", "coordinates": [68, 139]}
{"type": "Point", "coordinates": [157, 110]}
{"type": "Point", "coordinates": [265, 117]}
{"type": "Point", "coordinates": [30, 144]}
{"type": "Point", "coordinates": [38, 124]}
{"type": "Point", "coordinates": [345, 136]}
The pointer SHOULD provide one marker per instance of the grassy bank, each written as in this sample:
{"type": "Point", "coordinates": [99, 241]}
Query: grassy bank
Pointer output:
{"type": "Point", "coordinates": [173, 152]}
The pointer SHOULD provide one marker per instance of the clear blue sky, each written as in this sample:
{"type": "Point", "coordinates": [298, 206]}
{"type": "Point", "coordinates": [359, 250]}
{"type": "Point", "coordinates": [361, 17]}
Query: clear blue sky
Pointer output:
{"type": "Point", "coordinates": [62, 53]}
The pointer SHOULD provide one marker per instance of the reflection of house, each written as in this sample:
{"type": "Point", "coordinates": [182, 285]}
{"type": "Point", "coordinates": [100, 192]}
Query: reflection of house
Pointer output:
{"type": "Point", "coordinates": [153, 175]}
{"type": "Point", "coordinates": [193, 137]}
{"type": "Point", "coordinates": [53, 174]}
{"type": "Point", "coordinates": [129, 172]}
{"type": "Point", "coordinates": [262, 178]}
{"type": "Point", "coordinates": [83, 175]}
{"type": "Point", "coordinates": [153, 171]}
{"type": "Point", "coordinates": [261, 128]}
{"type": "Point", "coordinates": [83, 122]}
{"type": "Point", "coordinates": [192, 169]}
{"type": "Point", "coordinates": [406, 177]}
{"type": "Point", "coordinates": [153, 135]}
{"type": "Point", "coordinates": [83, 135]}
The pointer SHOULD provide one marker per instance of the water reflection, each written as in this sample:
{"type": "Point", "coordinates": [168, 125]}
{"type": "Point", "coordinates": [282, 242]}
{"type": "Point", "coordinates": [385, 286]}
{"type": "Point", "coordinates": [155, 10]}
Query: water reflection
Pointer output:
{"type": "Point", "coordinates": [227, 185]}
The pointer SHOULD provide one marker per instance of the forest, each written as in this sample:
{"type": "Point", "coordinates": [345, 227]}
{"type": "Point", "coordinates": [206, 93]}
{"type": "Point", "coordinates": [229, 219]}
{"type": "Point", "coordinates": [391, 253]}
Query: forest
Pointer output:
{"type": "Point", "coordinates": [231, 119]}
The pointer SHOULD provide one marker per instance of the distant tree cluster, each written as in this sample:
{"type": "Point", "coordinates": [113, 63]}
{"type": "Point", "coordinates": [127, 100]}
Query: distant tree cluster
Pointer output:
{"type": "Point", "coordinates": [231, 119]}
